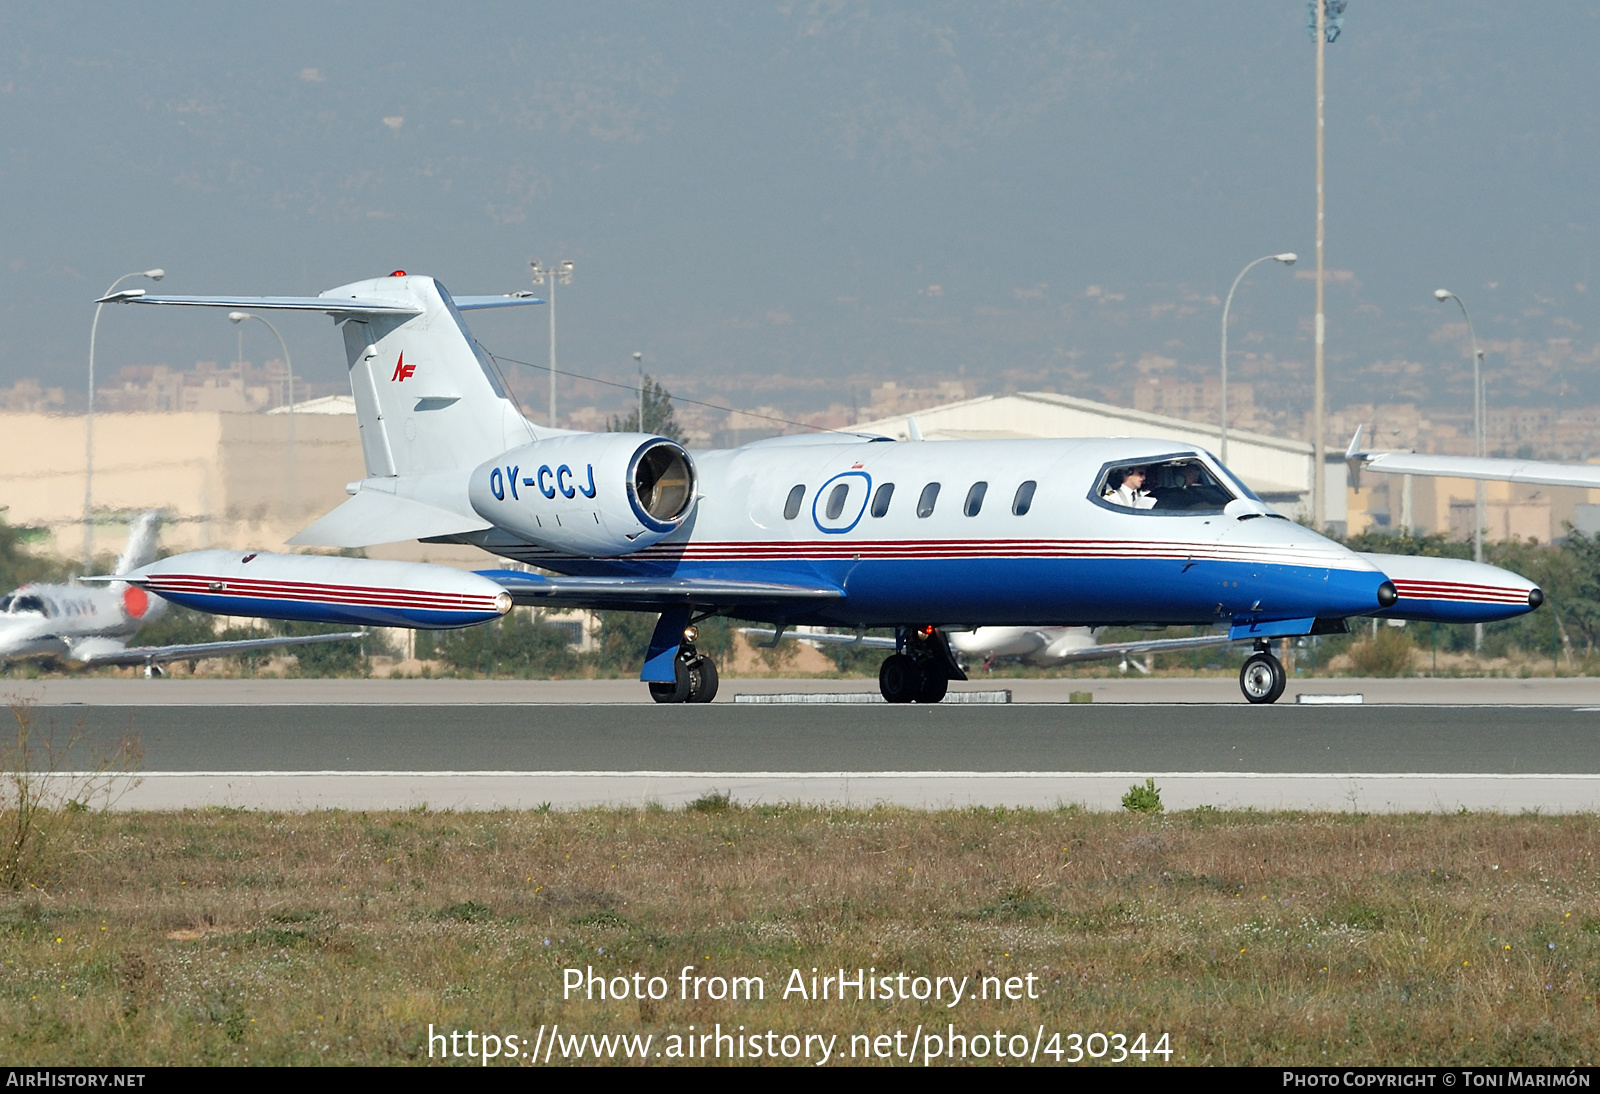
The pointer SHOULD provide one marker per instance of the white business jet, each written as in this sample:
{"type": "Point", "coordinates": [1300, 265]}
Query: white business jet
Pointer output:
{"type": "Point", "coordinates": [87, 626]}
{"type": "Point", "coordinates": [834, 529]}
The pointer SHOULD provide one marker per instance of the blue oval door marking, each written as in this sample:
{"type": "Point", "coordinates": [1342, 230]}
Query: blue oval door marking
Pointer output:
{"type": "Point", "coordinates": [854, 507]}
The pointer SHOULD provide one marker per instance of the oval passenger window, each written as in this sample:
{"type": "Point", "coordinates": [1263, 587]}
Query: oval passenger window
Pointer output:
{"type": "Point", "coordinates": [880, 500]}
{"type": "Point", "coordinates": [974, 501]}
{"type": "Point", "coordinates": [1024, 499]}
{"type": "Point", "coordinates": [836, 500]}
{"type": "Point", "coordinates": [791, 508]}
{"type": "Point", "coordinates": [930, 495]}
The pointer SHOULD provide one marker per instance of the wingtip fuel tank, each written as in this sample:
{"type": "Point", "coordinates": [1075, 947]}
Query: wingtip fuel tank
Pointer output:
{"type": "Point", "coordinates": [320, 589]}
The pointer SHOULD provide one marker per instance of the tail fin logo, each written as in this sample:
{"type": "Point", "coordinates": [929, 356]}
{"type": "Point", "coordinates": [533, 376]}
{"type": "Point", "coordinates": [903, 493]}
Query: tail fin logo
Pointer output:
{"type": "Point", "coordinates": [402, 371]}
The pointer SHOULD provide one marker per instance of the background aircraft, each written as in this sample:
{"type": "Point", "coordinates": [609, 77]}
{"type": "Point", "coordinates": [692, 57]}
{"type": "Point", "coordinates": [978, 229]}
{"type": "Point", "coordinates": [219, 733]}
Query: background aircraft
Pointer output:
{"type": "Point", "coordinates": [838, 529]}
{"type": "Point", "coordinates": [1043, 647]}
{"type": "Point", "coordinates": [86, 626]}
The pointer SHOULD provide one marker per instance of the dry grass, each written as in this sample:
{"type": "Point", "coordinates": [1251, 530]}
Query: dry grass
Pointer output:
{"type": "Point", "coordinates": [212, 936]}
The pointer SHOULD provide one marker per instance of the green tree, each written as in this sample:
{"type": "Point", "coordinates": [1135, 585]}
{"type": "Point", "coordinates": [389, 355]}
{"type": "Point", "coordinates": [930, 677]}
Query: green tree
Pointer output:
{"type": "Point", "coordinates": [17, 565]}
{"type": "Point", "coordinates": [658, 414]}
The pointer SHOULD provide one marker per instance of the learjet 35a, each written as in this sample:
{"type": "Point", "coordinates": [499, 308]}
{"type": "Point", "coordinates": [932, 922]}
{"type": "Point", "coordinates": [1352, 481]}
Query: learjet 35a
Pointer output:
{"type": "Point", "coordinates": [832, 529]}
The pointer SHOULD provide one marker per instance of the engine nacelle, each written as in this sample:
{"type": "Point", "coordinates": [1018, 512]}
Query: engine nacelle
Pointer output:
{"type": "Point", "coordinates": [594, 494]}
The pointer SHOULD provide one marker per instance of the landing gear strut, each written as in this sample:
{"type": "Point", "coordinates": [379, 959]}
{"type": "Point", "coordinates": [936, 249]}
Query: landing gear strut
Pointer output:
{"type": "Point", "coordinates": [694, 676]}
{"type": "Point", "coordinates": [921, 674]}
{"type": "Point", "coordinates": [1262, 678]}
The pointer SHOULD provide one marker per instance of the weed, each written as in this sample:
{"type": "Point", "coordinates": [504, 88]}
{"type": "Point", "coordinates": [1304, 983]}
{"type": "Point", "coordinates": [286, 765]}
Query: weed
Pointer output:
{"type": "Point", "coordinates": [1143, 799]}
{"type": "Point", "coordinates": [714, 801]}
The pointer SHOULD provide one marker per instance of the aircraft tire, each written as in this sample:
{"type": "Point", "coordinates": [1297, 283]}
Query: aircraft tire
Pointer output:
{"type": "Point", "coordinates": [900, 678]}
{"type": "Point", "coordinates": [934, 685]}
{"type": "Point", "coordinates": [678, 690]}
{"type": "Point", "coordinates": [702, 680]}
{"type": "Point", "coordinates": [1262, 678]}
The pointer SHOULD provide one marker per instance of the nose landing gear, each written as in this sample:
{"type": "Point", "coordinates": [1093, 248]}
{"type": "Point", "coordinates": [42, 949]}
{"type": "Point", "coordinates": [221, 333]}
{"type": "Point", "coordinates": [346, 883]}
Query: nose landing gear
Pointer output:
{"type": "Point", "coordinates": [1262, 678]}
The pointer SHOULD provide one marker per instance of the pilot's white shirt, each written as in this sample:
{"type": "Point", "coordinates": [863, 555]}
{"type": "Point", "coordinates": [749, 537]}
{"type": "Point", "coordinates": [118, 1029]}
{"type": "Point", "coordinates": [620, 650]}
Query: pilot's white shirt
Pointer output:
{"type": "Point", "coordinates": [1133, 499]}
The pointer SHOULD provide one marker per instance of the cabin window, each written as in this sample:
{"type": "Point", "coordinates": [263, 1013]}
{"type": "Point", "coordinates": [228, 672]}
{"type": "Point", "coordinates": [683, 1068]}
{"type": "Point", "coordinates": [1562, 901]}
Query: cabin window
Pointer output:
{"type": "Point", "coordinates": [1171, 484]}
{"type": "Point", "coordinates": [880, 500]}
{"type": "Point", "coordinates": [791, 508]}
{"type": "Point", "coordinates": [974, 502]}
{"type": "Point", "coordinates": [930, 495]}
{"type": "Point", "coordinates": [1024, 499]}
{"type": "Point", "coordinates": [836, 498]}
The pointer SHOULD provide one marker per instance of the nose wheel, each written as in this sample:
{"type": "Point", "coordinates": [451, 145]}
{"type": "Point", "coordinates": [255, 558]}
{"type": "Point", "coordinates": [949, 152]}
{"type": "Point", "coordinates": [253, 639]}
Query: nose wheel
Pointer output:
{"type": "Point", "coordinates": [1262, 678]}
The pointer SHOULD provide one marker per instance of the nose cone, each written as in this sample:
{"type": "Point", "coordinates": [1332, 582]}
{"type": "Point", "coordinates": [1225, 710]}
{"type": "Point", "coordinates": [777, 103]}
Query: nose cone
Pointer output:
{"type": "Point", "coordinates": [1388, 595]}
{"type": "Point", "coordinates": [1535, 597]}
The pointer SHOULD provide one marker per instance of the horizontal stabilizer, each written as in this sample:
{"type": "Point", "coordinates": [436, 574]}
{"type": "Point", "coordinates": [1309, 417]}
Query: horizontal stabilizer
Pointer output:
{"type": "Point", "coordinates": [372, 517]}
{"type": "Point", "coordinates": [479, 303]}
{"type": "Point", "coordinates": [653, 593]}
{"type": "Point", "coordinates": [333, 305]}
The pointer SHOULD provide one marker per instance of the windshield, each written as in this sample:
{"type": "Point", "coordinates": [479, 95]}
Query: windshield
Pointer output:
{"type": "Point", "coordinates": [1169, 484]}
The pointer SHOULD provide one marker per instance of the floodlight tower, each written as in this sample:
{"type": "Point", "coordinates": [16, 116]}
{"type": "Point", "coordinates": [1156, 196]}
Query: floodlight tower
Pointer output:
{"type": "Point", "coordinates": [1325, 23]}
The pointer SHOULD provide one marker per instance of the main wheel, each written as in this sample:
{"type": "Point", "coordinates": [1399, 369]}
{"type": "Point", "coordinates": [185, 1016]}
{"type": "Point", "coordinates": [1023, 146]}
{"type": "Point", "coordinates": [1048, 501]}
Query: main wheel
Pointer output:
{"type": "Point", "coordinates": [702, 680]}
{"type": "Point", "coordinates": [678, 690]}
{"type": "Point", "coordinates": [900, 678]}
{"type": "Point", "coordinates": [1262, 678]}
{"type": "Point", "coordinates": [934, 685]}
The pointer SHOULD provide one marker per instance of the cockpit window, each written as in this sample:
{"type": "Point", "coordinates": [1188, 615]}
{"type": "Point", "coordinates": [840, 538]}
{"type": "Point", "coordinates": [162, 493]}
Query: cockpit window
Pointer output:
{"type": "Point", "coordinates": [28, 604]}
{"type": "Point", "coordinates": [1181, 484]}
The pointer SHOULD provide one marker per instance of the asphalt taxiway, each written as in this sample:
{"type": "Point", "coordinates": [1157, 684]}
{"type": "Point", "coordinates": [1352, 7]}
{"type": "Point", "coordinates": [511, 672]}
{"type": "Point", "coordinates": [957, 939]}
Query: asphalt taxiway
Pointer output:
{"type": "Point", "coordinates": [341, 751]}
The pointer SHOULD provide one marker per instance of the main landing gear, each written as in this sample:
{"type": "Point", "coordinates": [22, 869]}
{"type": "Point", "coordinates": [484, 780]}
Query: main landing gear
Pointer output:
{"type": "Point", "coordinates": [1262, 678]}
{"type": "Point", "coordinates": [695, 675]}
{"type": "Point", "coordinates": [922, 673]}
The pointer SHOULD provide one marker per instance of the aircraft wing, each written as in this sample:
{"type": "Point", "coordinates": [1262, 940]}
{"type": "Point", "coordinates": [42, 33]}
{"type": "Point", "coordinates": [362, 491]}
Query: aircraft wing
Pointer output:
{"type": "Point", "coordinates": [1153, 645]}
{"type": "Point", "coordinates": [1534, 472]}
{"type": "Point", "coordinates": [865, 641]}
{"type": "Point", "coordinates": [652, 594]}
{"type": "Point", "coordinates": [93, 654]}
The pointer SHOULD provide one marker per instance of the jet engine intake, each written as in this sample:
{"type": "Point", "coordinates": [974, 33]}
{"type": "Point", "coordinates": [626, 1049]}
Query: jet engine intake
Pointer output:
{"type": "Point", "coordinates": [594, 494]}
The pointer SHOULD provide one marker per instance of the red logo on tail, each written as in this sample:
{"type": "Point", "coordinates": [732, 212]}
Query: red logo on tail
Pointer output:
{"type": "Point", "coordinates": [402, 370]}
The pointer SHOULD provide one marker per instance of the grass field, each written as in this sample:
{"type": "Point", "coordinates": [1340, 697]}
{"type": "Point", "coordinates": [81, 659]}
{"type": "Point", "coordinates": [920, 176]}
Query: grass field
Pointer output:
{"type": "Point", "coordinates": [215, 937]}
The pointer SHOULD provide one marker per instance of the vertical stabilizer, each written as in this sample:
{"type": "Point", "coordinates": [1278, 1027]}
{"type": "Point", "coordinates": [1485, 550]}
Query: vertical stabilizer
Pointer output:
{"type": "Point", "coordinates": [141, 548]}
{"type": "Point", "coordinates": [427, 397]}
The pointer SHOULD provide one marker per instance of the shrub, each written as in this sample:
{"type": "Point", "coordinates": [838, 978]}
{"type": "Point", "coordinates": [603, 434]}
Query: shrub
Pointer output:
{"type": "Point", "coordinates": [1388, 653]}
{"type": "Point", "coordinates": [1143, 799]}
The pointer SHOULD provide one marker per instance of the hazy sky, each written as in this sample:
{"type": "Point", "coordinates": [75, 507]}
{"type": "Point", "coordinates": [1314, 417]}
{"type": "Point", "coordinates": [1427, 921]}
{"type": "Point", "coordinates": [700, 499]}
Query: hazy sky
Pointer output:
{"type": "Point", "coordinates": [825, 193]}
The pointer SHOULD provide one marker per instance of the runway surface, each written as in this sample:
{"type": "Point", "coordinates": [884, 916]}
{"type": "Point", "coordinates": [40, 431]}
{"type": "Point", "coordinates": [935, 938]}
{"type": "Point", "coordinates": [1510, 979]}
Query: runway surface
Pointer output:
{"type": "Point", "coordinates": [519, 755]}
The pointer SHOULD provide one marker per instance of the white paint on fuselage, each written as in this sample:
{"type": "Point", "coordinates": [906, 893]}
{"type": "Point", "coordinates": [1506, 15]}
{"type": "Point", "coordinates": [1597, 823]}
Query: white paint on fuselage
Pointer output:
{"type": "Point", "coordinates": [743, 491]}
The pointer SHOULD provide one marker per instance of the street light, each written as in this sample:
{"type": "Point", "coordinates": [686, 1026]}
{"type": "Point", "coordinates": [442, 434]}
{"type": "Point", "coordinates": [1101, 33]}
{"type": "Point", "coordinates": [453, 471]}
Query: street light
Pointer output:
{"type": "Point", "coordinates": [1288, 259]}
{"type": "Point", "coordinates": [240, 317]}
{"type": "Point", "coordinates": [1478, 448]}
{"type": "Point", "coordinates": [88, 429]}
{"type": "Point", "coordinates": [638, 363]}
{"type": "Point", "coordinates": [561, 273]}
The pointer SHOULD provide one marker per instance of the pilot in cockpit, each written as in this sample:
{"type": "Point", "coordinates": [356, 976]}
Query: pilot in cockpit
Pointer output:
{"type": "Point", "coordinates": [1130, 491]}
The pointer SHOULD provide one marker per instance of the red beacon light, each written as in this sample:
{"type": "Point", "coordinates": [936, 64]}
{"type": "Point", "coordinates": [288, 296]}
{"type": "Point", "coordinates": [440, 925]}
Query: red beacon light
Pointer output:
{"type": "Point", "coordinates": [398, 273]}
